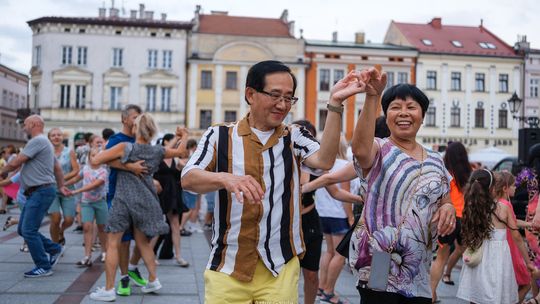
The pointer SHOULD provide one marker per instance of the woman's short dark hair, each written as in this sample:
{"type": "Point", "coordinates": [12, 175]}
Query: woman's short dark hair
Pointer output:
{"type": "Point", "coordinates": [257, 74]}
{"type": "Point", "coordinates": [166, 137]}
{"type": "Point", "coordinates": [191, 143]}
{"type": "Point", "coordinates": [402, 91]}
{"type": "Point", "coordinates": [107, 133]}
{"type": "Point", "coordinates": [308, 125]}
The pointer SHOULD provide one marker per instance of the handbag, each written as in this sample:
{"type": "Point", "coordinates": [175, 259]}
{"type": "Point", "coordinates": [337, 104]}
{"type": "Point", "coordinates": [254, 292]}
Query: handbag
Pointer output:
{"type": "Point", "coordinates": [472, 257]}
{"type": "Point", "coordinates": [343, 246]}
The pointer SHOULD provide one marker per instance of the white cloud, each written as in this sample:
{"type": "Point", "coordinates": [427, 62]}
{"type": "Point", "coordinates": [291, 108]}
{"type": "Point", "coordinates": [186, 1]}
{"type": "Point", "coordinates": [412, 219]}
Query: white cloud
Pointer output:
{"type": "Point", "coordinates": [318, 18]}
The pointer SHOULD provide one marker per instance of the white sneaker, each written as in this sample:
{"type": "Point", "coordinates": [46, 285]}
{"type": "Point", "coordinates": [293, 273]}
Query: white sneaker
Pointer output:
{"type": "Point", "coordinates": [101, 294]}
{"type": "Point", "coordinates": [152, 286]}
{"type": "Point", "coordinates": [103, 256]}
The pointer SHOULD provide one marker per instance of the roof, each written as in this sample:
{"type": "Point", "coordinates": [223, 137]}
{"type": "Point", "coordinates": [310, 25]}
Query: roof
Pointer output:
{"type": "Point", "coordinates": [117, 21]}
{"type": "Point", "coordinates": [244, 26]}
{"type": "Point", "coordinates": [7, 69]}
{"type": "Point", "coordinates": [351, 44]}
{"type": "Point", "coordinates": [441, 36]}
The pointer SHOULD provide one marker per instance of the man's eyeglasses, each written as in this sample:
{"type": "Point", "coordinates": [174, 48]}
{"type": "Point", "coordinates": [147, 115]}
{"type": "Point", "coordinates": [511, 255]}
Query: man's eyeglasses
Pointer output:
{"type": "Point", "coordinates": [276, 97]}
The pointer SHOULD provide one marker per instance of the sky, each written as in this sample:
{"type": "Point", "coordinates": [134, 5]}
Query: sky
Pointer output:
{"type": "Point", "coordinates": [318, 19]}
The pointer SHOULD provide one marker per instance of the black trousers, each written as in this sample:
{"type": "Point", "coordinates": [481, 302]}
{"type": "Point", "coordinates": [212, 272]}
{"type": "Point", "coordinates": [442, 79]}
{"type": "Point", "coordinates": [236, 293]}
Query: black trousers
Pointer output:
{"type": "Point", "coordinates": [369, 296]}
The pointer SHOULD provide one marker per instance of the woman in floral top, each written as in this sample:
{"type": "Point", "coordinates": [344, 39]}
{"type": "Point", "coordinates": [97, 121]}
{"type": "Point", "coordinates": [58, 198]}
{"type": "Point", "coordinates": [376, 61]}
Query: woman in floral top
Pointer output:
{"type": "Point", "coordinates": [407, 202]}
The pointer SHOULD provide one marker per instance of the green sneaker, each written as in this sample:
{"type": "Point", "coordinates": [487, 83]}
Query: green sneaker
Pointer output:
{"type": "Point", "coordinates": [124, 289]}
{"type": "Point", "coordinates": [135, 275]}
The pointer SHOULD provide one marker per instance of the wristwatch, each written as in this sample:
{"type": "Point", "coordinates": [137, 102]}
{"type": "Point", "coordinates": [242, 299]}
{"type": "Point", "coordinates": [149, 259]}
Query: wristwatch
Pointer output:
{"type": "Point", "coordinates": [337, 109]}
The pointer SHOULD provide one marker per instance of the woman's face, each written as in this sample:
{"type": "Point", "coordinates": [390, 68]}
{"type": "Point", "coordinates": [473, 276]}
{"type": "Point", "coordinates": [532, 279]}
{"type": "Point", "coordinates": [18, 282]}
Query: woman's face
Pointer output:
{"type": "Point", "coordinates": [98, 142]}
{"type": "Point", "coordinates": [56, 137]}
{"type": "Point", "coordinates": [404, 118]}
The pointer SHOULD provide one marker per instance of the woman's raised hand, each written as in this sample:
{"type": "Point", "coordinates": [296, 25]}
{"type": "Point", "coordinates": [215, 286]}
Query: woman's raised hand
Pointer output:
{"type": "Point", "coordinates": [182, 132]}
{"type": "Point", "coordinates": [375, 81]}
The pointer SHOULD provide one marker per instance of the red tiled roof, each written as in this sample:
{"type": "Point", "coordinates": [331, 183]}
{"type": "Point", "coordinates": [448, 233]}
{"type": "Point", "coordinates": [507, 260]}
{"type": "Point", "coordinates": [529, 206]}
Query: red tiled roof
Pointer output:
{"type": "Point", "coordinates": [245, 26]}
{"type": "Point", "coordinates": [442, 36]}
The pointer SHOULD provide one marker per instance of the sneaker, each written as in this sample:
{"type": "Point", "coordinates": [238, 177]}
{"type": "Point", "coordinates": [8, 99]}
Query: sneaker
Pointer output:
{"type": "Point", "coordinates": [38, 272]}
{"type": "Point", "coordinates": [103, 256]}
{"type": "Point", "coordinates": [151, 286]}
{"type": "Point", "coordinates": [101, 294]}
{"type": "Point", "coordinates": [85, 262]}
{"type": "Point", "coordinates": [124, 289]}
{"type": "Point", "coordinates": [207, 227]}
{"type": "Point", "coordinates": [182, 263]}
{"type": "Point", "coordinates": [24, 248]}
{"type": "Point", "coordinates": [53, 258]}
{"type": "Point", "coordinates": [135, 275]}
{"type": "Point", "coordinates": [185, 232]}
{"type": "Point", "coordinates": [78, 229]}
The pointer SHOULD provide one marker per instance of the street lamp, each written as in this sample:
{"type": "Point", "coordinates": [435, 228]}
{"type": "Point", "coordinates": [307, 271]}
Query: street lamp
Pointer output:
{"type": "Point", "coordinates": [515, 103]}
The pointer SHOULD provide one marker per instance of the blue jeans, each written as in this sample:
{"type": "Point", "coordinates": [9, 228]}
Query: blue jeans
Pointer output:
{"type": "Point", "coordinates": [30, 220]}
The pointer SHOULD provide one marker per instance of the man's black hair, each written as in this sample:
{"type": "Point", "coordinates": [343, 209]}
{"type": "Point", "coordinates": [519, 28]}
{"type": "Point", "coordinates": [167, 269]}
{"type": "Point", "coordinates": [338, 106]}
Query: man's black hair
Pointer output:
{"type": "Point", "coordinates": [257, 74]}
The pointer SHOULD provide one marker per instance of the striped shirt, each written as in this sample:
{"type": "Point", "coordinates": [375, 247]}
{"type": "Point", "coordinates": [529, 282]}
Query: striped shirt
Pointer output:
{"type": "Point", "coordinates": [271, 231]}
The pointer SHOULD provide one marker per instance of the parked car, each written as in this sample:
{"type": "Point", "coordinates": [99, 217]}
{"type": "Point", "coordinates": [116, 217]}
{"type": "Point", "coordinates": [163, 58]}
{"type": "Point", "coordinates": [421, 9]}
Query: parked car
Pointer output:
{"type": "Point", "coordinates": [521, 198]}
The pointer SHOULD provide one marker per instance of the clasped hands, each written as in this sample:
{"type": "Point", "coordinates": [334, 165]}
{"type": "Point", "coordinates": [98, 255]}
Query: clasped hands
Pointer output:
{"type": "Point", "coordinates": [370, 81]}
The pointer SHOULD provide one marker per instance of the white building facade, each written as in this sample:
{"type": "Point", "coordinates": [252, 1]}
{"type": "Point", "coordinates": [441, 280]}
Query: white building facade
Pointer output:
{"type": "Point", "coordinates": [85, 70]}
{"type": "Point", "coordinates": [14, 88]}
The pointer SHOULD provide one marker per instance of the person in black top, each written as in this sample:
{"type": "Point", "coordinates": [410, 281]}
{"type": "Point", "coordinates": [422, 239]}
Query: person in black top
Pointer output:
{"type": "Point", "coordinates": [170, 199]}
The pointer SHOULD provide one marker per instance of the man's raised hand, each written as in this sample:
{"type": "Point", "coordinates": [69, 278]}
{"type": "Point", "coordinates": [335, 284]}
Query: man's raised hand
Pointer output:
{"type": "Point", "coordinates": [375, 81]}
{"type": "Point", "coordinates": [350, 85]}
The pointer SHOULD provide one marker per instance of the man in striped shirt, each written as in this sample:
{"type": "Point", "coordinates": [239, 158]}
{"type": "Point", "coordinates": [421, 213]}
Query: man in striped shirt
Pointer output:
{"type": "Point", "coordinates": [255, 164]}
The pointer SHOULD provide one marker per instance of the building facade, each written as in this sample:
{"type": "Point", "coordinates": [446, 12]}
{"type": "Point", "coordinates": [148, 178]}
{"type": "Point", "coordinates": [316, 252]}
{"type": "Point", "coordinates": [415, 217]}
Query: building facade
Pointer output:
{"type": "Point", "coordinates": [469, 74]}
{"type": "Point", "coordinates": [85, 70]}
{"type": "Point", "coordinates": [222, 48]}
{"type": "Point", "coordinates": [14, 88]}
{"type": "Point", "coordinates": [530, 94]}
{"type": "Point", "coordinates": [329, 61]}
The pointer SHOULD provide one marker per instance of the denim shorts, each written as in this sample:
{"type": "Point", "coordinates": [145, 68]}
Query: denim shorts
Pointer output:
{"type": "Point", "coordinates": [210, 201]}
{"type": "Point", "coordinates": [334, 225]}
{"type": "Point", "coordinates": [97, 210]}
{"type": "Point", "coordinates": [190, 199]}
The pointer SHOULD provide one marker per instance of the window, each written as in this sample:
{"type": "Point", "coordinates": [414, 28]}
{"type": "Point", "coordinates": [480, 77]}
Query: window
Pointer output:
{"type": "Point", "coordinates": [483, 45]}
{"type": "Point", "coordinates": [322, 118]}
{"type": "Point", "coordinates": [403, 77]}
{"type": "Point", "coordinates": [533, 88]}
{"type": "Point", "coordinates": [503, 118]}
{"type": "Point", "coordinates": [479, 83]}
{"type": "Point", "coordinates": [338, 75]}
{"type": "Point", "coordinates": [490, 45]}
{"type": "Point", "coordinates": [455, 116]}
{"type": "Point", "coordinates": [4, 97]}
{"type": "Point", "coordinates": [230, 116]}
{"type": "Point", "coordinates": [80, 96]}
{"type": "Point", "coordinates": [205, 120]}
{"type": "Point", "coordinates": [431, 80]}
{"type": "Point", "coordinates": [324, 80]}
{"type": "Point", "coordinates": [151, 98]}
{"type": "Point", "coordinates": [66, 54]}
{"type": "Point", "coordinates": [117, 57]}
{"type": "Point", "coordinates": [389, 79]}
{"type": "Point", "coordinates": [456, 81]}
{"type": "Point", "coordinates": [37, 55]}
{"type": "Point", "coordinates": [457, 43]}
{"type": "Point", "coordinates": [152, 59]}
{"type": "Point", "coordinates": [82, 53]}
{"type": "Point", "coordinates": [503, 83]}
{"type": "Point", "coordinates": [36, 96]}
{"type": "Point", "coordinates": [116, 96]}
{"type": "Point", "coordinates": [431, 116]}
{"type": "Point", "coordinates": [206, 80]}
{"type": "Point", "coordinates": [479, 117]}
{"type": "Point", "coordinates": [166, 99]}
{"type": "Point", "coordinates": [230, 81]}
{"type": "Point", "coordinates": [427, 42]}
{"type": "Point", "coordinates": [167, 59]}
{"type": "Point", "coordinates": [64, 95]}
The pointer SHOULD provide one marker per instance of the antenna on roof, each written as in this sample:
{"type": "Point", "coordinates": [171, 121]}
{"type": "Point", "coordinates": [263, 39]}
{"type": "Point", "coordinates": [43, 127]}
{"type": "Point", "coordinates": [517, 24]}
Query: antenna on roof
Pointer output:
{"type": "Point", "coordinates": [123, 7]}
{"type": "Point", "coordinates": [481, 22]}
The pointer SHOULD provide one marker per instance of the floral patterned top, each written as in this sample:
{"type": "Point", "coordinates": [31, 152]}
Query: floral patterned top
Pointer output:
{"type": "Point", "coordinates": [391, 184]}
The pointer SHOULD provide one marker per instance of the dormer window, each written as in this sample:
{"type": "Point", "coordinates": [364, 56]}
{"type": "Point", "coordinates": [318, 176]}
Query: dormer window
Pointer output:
{"type": "Point", "coordinates": [483, 45]}
{"type": "Point", "coordinates": [457, 43]}
{"type": "Point", "coordinates": [491, 45]}
{"type": "Point", "coordinates": [427, 42]}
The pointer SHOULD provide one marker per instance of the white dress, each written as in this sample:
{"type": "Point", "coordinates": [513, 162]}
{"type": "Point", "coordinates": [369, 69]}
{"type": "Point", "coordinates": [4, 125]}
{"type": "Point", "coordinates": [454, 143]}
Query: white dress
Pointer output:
{"type": "Point", "coordinates": [493, 280]}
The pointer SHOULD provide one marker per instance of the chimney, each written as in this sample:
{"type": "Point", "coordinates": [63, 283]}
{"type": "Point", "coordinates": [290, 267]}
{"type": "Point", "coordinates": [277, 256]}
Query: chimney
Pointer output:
{"type": "Point", "coordinates": [133, 14]}
{"type": "Point", "coordinates": [436, 22]}
{"type": "Point", "coordinates": [113, 12]}
{"type": "Point", "coordinates": [163, 17]}
{"type": "Point", "coordinates": [141, 11]}
{"type": "Point", "coordinates": [102, 12]}
{"type": "Point", "coordinates": [284, 16]}
{"type": "Point", "coordinates": [359, 37]}
{"type": "Point", "coordinates": [522, 45]}
{"type": "Point", "coordinates": [149, 15]}
{"type": "Point", "coordinates": [334, 36]}
{"type": "Point", "coordinates": [291, 28]}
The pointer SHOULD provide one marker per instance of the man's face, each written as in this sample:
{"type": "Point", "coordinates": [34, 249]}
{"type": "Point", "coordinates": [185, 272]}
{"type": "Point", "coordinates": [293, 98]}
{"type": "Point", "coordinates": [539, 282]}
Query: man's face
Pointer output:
{"type": "Point", "coordinates": [28, 125]}
{"type": "Point", "coordinates": [267, 113]}
{"type": "Point", "coordinates": [129, 121]}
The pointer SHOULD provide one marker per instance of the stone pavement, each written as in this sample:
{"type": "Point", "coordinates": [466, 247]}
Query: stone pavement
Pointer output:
{"type": "Point", "coordinates": [70, 284]}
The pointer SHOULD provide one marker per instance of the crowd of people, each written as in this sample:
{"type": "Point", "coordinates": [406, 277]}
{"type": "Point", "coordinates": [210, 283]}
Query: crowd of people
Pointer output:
{"type": "Point", "coordinates": [401, 214]}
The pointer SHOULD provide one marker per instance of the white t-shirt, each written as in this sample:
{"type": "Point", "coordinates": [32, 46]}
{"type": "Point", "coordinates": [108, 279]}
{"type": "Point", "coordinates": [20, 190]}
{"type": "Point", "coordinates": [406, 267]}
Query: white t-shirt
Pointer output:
{"type": "Point", "coordinates": [326, 205]}
{"type": "Point", "coordinates": [263, 136]}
